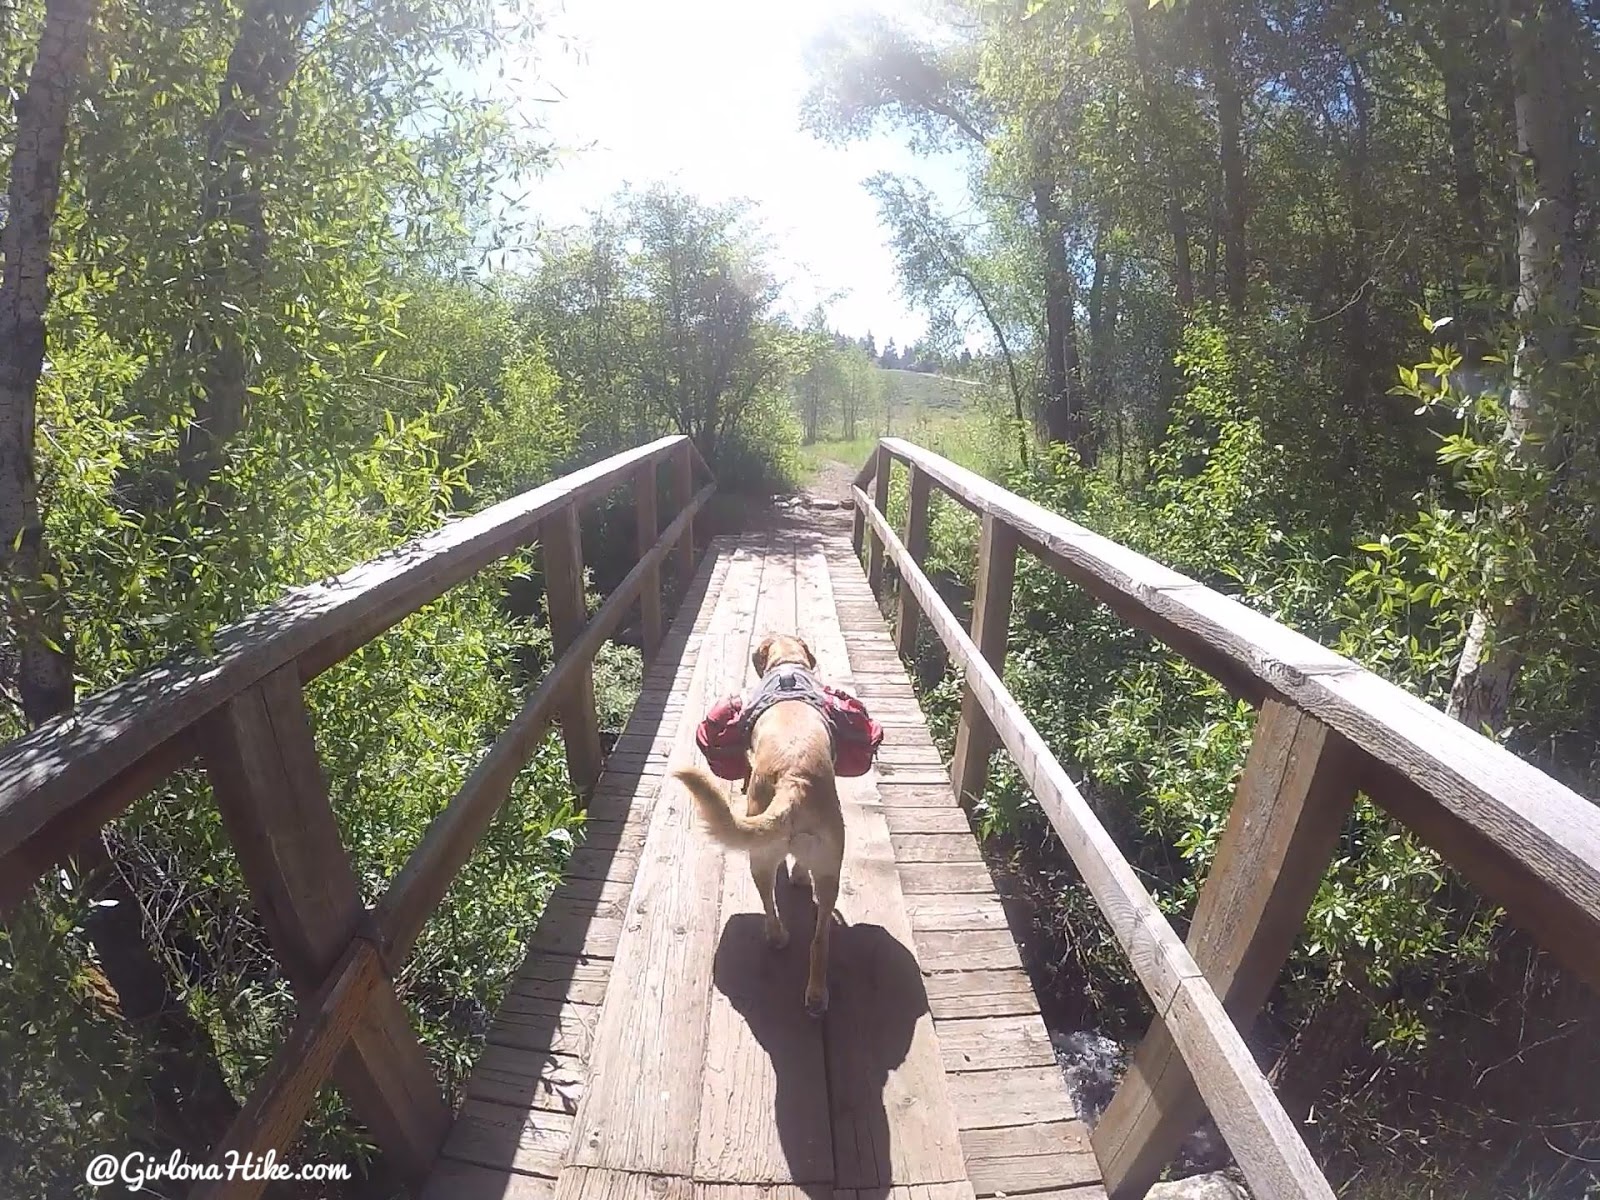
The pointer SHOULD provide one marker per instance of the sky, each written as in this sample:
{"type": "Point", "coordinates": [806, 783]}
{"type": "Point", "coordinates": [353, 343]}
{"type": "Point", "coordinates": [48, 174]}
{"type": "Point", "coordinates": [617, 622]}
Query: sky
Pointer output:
{"type": "Point", "coordinates": [705, 94]}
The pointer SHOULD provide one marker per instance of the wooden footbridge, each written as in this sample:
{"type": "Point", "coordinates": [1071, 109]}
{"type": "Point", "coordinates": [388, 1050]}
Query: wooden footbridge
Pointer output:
{"type": "Point", "coordinates": [651, 1047]}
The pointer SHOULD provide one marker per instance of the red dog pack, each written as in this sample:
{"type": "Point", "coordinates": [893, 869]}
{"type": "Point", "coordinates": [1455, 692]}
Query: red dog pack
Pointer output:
{"type": "Point", "coordinates": [723, 740]}
{"type": "Point", "coordinates": [724, 735]}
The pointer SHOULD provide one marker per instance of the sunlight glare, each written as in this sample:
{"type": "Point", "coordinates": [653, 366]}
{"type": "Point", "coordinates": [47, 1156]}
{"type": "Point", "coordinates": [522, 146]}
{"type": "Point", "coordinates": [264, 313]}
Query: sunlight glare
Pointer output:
{"type": "Point", "coordinates": [706, 94]}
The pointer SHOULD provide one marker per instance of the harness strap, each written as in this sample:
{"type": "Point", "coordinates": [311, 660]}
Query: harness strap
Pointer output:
{"type": "Point", "coordinates": [790, 681]}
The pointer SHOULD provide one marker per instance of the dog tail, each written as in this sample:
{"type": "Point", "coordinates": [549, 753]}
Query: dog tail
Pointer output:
{"type": "Point", "coordinates": [729, 827]}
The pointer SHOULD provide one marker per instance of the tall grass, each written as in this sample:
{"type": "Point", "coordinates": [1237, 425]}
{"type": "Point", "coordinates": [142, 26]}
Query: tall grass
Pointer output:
{"type": "Point", "coordinates": [973, 438]}
{"type": "Point", "coordinates": [851, 453]}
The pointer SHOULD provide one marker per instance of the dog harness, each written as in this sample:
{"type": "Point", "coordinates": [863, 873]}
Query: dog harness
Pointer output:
{"type": "Point", "coordinates": [724, 735]}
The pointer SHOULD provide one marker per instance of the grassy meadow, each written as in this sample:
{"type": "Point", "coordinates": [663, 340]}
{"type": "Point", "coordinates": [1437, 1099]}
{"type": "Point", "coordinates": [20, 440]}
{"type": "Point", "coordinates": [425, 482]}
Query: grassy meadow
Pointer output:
{"type": "Point", "coordinates": [963, 420]}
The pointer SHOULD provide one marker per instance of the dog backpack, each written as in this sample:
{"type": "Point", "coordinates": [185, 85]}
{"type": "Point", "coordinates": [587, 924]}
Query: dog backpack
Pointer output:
{"type": "Point", "coordinates": [856, 736]}
{"type": "Point", "coordinates": [723, 739]}
{"type": "Point", "coordinates": [724, 734]}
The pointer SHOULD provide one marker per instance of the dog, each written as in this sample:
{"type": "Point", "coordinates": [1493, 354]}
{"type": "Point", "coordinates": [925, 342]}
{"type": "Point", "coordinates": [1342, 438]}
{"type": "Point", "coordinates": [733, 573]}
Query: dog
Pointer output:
{"type": "Point", "coordinates": [792, 808]}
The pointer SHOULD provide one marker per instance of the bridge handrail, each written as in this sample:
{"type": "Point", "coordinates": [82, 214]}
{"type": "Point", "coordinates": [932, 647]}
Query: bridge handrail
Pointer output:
{"type": "Point", "coordinates": [1327, 729]}
{"type": "Point", "coordinates": [241, 711]}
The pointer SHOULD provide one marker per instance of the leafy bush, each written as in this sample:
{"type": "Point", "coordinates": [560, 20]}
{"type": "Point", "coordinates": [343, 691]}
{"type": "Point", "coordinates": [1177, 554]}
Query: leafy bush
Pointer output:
{"type": "Point", "coordinates": [761, 454]}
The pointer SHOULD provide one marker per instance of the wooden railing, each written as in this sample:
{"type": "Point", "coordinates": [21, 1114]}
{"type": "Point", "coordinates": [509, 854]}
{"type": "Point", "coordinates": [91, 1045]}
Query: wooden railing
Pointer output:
{"type": "Point", "coordinates": [241, 712]}
{"type": "Point", "coordinates": [1327, 729]}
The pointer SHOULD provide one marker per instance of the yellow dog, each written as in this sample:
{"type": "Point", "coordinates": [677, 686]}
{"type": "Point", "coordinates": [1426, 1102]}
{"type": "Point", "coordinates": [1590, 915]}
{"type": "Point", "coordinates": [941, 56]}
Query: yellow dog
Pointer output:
{"type": "Point", "coordinates": [791, 807]}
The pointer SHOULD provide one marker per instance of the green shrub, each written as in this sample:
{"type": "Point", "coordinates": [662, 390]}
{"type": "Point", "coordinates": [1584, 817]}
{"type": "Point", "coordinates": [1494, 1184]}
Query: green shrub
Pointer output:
{"type": "Point", "coordinates": [760, 455]}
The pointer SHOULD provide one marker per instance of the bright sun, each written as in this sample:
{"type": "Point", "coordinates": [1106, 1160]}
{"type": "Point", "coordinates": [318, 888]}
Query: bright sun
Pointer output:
{"type": "Point", "coordinates": [706, 94]}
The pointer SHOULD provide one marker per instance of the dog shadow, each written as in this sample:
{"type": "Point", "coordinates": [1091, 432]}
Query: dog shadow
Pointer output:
{"type": "Point", "coordinates": [829, 1107]}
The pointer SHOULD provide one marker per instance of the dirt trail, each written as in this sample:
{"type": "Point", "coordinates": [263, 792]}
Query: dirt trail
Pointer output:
{"type": "Point", "coordinates": [821, 503]}
{"type": "Point", "coordinates": [832, 481]}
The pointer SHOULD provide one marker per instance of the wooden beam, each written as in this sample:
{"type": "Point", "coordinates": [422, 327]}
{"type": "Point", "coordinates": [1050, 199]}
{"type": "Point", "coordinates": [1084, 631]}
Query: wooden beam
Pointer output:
{"type": "Point", "coordinates": [880, 499]}
{"type": "Point", "coordinates": [271, 1118]}
{"type": "Point", "coordinates": [1535, 842]}
{"type": "Point", "coordinates": [68, 833]}
{"type": "Point", "coordinates": [1298, 785]}
{"type": "Point", "coordinates": [268, 784]}
{"type": "Point", "coordinates": [66, 760]}
{"type": "Point", "coordinates": [894, 1116]}
{"type": "Point", "coordinates": [452, 836]}
{"type": "Point", "coordinates": [1260, 1134]}
{"type": "Point", "coordinates": [682, 492]}
{"type": "Point", "coordinates": [650, 1037]}
{"type": "Point", "coordinates": [562, 541]}
{"type": "Point", "coordinates": [858, 524]}
{"type": "Point", "coordinates": [991, 623]}
{"type": "Point", "coordinates": [905, 626]}
{"type": "Point", "coordinates": [646, 529]}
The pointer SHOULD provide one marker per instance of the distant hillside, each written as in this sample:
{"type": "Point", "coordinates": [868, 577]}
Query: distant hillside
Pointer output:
{"type": "Point", "coordinates": [916, 390]}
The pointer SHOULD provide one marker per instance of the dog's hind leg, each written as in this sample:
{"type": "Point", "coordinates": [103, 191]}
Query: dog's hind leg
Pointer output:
{"type": "Point", "coordinates": [764, 864]}
{"type": "Point", "coordinates": [825, 890]}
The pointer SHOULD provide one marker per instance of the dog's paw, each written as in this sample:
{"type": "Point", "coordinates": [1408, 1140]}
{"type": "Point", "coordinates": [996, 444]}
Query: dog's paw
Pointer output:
{"type": "Point", "coordinates": [817, 1001]}
{"type": "Point", "coordinates": [777, 936]}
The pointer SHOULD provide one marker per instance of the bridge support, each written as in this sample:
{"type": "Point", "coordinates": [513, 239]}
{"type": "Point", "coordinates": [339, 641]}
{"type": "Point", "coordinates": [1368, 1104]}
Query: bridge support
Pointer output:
{"type": "Point", "coordinates": [1298, 785]}
{"type": "Point", "coordinates": [906, 610]}
{"type": "Point", "coordinates": [562, 539]}
{"type": "Point", "coordinates": [880, 498]}
{"type": "Point", "coordinates": [976, 739]}
{"type": "Point", "coordinates": [682, 493]}
{"type": "Point", "coordinates": [647, 524]}
{"type": "Point", "coordinates": [268, 783]}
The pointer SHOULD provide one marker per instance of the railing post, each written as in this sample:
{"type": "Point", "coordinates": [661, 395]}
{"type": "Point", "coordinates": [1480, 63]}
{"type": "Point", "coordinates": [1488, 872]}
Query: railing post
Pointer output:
{"type": "Point", "coordinates": [268, 783]}
{"type": "Point", "coordinates": [906, 610]}
{"type": "Point", "coordinates": [647, 527]}
{"type": "Point", "coordinates": [880, 500]}
{"type": "Point", "coordinates": [858, 523]}
{"type": "Point", "coordinates": [562, 539]}
{"type": "Point", "coordinates": [682, 493]}
{"type": "Point", "coordinates": [991, 620]}
{"type": "Point", "coordinates": [1298, 785]}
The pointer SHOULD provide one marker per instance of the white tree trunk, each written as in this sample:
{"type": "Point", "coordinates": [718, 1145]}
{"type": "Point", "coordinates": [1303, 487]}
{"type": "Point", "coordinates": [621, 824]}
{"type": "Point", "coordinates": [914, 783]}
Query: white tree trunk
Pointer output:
{"type": "Point", "coordinates": [1544, 38]}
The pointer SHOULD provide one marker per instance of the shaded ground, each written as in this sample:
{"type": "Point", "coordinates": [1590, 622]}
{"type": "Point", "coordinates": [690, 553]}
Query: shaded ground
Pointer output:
{"type": "Point", "coordinates": [821, 503]}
